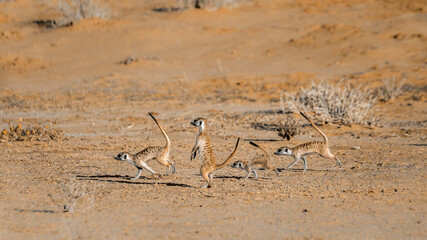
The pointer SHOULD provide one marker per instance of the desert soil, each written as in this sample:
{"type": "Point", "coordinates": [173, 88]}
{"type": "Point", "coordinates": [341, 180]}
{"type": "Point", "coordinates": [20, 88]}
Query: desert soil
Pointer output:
{"type": "Point", "coordinates": [229, 66]}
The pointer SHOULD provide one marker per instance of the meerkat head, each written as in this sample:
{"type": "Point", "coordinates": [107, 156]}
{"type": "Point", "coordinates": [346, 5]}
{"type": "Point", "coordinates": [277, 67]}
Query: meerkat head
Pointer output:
{"type": "Point", "coordinates": [123, 156]}
{"type": "Point", "coordinates": [200, 123]}
{"type": "Point", "coordinates": [283, 151]}
{"type": "Point", "coordinates": [238, 164]}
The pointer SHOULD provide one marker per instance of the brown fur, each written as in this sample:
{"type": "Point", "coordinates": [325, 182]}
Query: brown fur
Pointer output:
{"type": "Point", "coordinates": [203, 148]}
{"type": "Point", "coordinates": [260, 161]}
{"type": "Point", "coordinates": [140, 159]}
{"type": "Point", "coordinates": [305, 149]}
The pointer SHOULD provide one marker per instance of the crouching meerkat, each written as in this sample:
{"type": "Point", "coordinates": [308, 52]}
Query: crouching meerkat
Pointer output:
{"type": "Point", "coordinates": [301, 151]}
{"type": "Point", "coordinates": [140, 159]}
{"type": "Point", "coordinates": [203, 148]}
{"type": "Point", "coordinates": [260, 161]}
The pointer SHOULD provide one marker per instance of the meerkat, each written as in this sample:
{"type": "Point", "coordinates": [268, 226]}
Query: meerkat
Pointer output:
{"type": "Point", "coordinates": [203, 148]}
{"type": "Point", "coordinates": [262, 161]}
{"type": "Point", "coordinates": [140, 159]}
{"type": "Point", "coordinates": [301, 151]}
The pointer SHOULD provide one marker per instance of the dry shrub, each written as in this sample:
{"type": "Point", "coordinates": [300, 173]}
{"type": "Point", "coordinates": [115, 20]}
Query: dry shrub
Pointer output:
{"type": "Point", "coordinates": [288, 128]}
{"type": "Point", "coordinates": [390, 90]}
{"type": "Point", "coordinates": [77, 194]}
{"type": "Point", "coordinates": [341, 103]}
{"type": "Point", "coordinates": [38, 133]}
{"type": "Point", "coordinates": [209, 4]}
{"type": "Point", "coordinates": [83, 9]}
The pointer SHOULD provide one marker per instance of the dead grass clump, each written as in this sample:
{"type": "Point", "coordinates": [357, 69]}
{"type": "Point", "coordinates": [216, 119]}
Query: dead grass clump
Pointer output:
{"type": "Point", "coordinates": [288, 128]}
{"type": "Point", "coordinates": [38, 133]}
{"type": "Point", "coordinates": [83, 9]}
{"type": "Point", "coordinates": [390, 90]}
{"type": "Point", "coordinates": [341, 103]}
{"type": "Point", "coordinates": [74, 194]}
{"type": "Point", "coordinates": [209, 4]}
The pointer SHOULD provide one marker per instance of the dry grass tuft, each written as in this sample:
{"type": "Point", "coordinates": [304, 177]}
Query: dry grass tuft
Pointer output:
{"type": "Point", "coordinates": [38, 133]}
{"type": "Point", "coordinates": [209, 4]}
{"type": "Point", "coordinates": [341, 103]}
{"type": "Point", "coordinates": [74, 194]}
{"type": "Point", "coordinates": [75, 10]}
{"type": "Point", "coordinates": [390, 90]}
{"type": "Point", "coordinates": [288, 128]}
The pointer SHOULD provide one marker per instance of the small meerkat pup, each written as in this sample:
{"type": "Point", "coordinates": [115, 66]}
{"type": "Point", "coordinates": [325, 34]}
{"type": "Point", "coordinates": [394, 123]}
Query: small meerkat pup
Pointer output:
{"type": "Point", "coordinates": [140, 159]}
{"type": "Point", "coordinates": [301, 151]}
{"type": "Point", "coordinates": [261, 161]}
{"type": "Point", "coordinates": [203, 148]}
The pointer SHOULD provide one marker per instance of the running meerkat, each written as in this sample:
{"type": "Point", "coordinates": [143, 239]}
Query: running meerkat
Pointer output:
{"type": "Point", "coordinates": [140, 159]}
{"type": "Point", "coordinates": [301, 151]}
{"type": "Point", "coordinates": [262, 161]}
{"type": "Point", "coordinates": [203, 148]}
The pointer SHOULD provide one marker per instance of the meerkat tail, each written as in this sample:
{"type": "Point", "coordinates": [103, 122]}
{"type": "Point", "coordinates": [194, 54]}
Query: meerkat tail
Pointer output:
{"type": "Point", "coordinates": [315, 127]}
{"type": "Point", "coordinates": [161, 129]}
{"type": "Point", "coordinates": [262, 149]}
{"type": "Point", "coordinates": [229, 158]}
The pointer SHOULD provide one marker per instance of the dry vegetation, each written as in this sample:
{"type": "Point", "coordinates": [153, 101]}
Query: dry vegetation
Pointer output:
{"type": "Point", "coordinates": [340, 103]}
{"type": "Point", "coordinates": [83, 9]}
{"type": "Point", "coordinates": [31, 133]}
{"type": "Point", "coordinates": [288, 128]}
{"type": "Point", "coordinates": [77, 196]}
{"type": "Point", "coordinates": [209, 4]}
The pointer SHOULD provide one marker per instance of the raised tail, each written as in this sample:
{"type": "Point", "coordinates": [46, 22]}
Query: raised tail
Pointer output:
{"type": "Point", "coordinates": [262, 149]}
{"type": "Point", "coordinates": [168, 142]}
{"type": "Point", "coordinates": [315, 127]}
{"type": "Point", "coordinates": [229, 158]}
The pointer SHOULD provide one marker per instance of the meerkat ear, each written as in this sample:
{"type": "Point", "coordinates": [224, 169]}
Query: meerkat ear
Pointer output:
{"type": "Point", "coordinates": [125, 156]}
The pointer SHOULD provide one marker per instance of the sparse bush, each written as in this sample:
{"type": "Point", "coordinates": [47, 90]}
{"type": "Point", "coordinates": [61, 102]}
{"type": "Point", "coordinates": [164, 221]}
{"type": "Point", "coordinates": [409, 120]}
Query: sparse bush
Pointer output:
{"type": "Point", "coordinates": [73, 193]}
{"type": "Point", "coordinates": [341, 103]}
{"type": "Point", "coordinates": [83, 9]}
{"type": "Point", "coordinates": [390, 90]}
{"type": "Point", "coordinates": [209, 4]}
{"type": "Point", "coordinates": [288, 128]}
{"type": "Point", "coordinates": [18, 133]}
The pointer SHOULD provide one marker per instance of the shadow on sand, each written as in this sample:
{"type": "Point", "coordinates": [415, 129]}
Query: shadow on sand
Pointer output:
{"type": "Point", "coordinates": [104, 178]}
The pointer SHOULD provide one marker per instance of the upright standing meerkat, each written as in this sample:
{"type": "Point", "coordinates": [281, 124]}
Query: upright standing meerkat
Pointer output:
{"type": "Point", "coordinates": [262, 161]}
{"type": "Point", "coordinates": [301, 151]}
{"type": "Point", "coordinates": [203, 148]}
{"type": "Point", "coordinates": [140, 159]}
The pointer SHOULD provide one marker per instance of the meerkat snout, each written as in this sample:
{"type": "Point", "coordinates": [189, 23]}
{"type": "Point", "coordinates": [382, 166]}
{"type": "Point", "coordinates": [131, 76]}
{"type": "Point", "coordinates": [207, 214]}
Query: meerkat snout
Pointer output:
{"type": "Point", "coordinates": [283, 151]}
{"type": "Point", "coordinates": [237, 164]}
{"type": "Point", "coordinates": [120, 156]}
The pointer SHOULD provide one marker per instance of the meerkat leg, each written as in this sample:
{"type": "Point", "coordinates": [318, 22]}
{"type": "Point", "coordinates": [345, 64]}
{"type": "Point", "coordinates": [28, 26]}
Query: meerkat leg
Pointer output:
{"type": "Point", "coordinates": [277, 172]}
{"type": "Point", "coordinates": [171, 168]}
{"type": "Point", "coordinates": [294, 162]}
{"type": "Point", "coordinates": [305, 164]}
{"type": "Point", "coordinates": [144, 165]}
{"type": "Point", "coordinates": [255, 175]}
{"type": "Point", "coordinates": [248, 174]}
{"type": "Point", "coordinates": [205, 176]}
{"type": "Point", "coordinates": [194, 152]}
{"type": "Point", "coordinates": [338, 161]}
{"type": "Point", "coordinates": [138, 174]}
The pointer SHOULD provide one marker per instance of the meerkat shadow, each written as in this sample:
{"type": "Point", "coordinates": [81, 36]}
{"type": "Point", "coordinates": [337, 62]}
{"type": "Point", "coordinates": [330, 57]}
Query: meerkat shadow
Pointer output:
{"type": "Point", "coordinates": [134, 182]}
{"type": "Point", "coordinates": [228, 177]}
{"type": "Point", "coordinates": [98, 177]}
{"type": "Point", "coordinates": [302, 170]}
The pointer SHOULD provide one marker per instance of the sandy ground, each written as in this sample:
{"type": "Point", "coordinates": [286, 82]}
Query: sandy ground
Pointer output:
{"type": "Point", "coordinates": [229, 66]}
